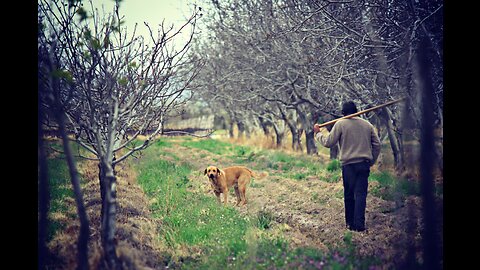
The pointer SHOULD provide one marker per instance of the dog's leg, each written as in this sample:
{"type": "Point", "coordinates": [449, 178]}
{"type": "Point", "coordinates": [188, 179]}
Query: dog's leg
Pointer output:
{"type": "Point", "coordinates": [225, 193]}
{"type": "Point", "coordinates": [243, 195]}
{"type": "Point", "coordinates": [218, 196]}
{"type": "Point", "coordinates": [237, 193]}
{"type": "Point", "coordinates": [242, 187]}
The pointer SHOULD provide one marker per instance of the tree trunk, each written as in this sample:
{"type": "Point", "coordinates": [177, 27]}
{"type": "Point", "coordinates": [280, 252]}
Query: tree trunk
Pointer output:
{"type": "Point", "coordinates": [59, 114]}
{"type": "Point", "coordinates": [292, 126]}
{"type": "Point", "coordinates": [101, 177]}
{"type": "Point", "coordinates": [398, 155]}
{"type": "Point", "coordinates": [230, 129]}
{"type": "Point", "coordinates": [43, 195]}
{"type": "Point", "coordinates": [248, 134]}
{"type": "Point", "coordinates": [334, 150]}
{"type": "Point", "coordinates": [84, 234]}
{"type": "Point", "coordinates": [299, 139]}
{"type": "Point", "coordinates": [279, 139]}
{"type": "Point", "coordinates": [264, 125]}
{"type": "Point", "coordinates": [280, 134]}
{"type": "Point", "coordinates": [295, 142]}
{"type": "Point", "coordinates": [439, 138]}
{"type": "Point", "coordinates": [294, 131]}
{"type": "Point", "coordinates": [241, 129]}
{"type": "Point", "coordinates": [307, 124]}
{"type": "Point", "coordinates": [310, 139]}
{"type": "Point", "coordinates": [109, 211]}
{"type": "Point", "coordinates": [427, 157]}
{"type": "Point", "coordinates": [231, 124]}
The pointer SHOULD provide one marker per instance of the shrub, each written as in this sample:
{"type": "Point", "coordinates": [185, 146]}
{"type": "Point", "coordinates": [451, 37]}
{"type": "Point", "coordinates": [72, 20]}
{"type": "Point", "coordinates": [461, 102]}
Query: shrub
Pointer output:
{"type": "Point", "coordinates": [333, 165]}
{"type": "Point", "coordinates": [300, 176]}
{"type": "Point", "coordinates": [390, 187]}
{"type": "Point", "coordinates": [264, 220]}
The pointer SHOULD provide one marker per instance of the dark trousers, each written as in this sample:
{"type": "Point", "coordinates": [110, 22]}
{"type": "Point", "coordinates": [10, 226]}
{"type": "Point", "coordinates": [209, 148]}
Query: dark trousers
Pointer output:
{"type": "Point", "coordinates": [355, 186]}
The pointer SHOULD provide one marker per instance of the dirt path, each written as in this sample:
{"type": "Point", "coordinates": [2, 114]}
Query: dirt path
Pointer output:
{"type": "Point", "coordinates": [310, 212]}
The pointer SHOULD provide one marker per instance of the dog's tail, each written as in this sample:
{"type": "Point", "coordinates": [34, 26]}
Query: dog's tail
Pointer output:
{"type": "Point", "coordinates": [258, 176]}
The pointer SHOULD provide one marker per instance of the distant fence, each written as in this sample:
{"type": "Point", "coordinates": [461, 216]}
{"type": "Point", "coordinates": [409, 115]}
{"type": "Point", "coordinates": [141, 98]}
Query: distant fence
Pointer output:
{"type": "Point", "coordinates": [173, 127]}
{"type": "Point", "coordinates": [203, 122]}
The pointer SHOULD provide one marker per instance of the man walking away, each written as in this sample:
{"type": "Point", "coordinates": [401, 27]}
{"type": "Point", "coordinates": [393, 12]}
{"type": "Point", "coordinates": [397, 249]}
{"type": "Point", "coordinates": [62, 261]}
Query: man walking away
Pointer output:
{"type": "Point", "coordinates": [359, 149]}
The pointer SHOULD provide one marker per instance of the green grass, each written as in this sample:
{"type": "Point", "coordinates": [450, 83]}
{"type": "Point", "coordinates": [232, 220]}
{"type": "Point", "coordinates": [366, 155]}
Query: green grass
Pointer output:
{"type": "Point", "coordinates": [239, 153]}
{"type": "Point", "coordinates": [334, 165]}
{"type": "Point", "coordinates": [188, 217]}
{"type": "Point", "coordinates": [301, 167]}
{"type": "Point", "coordinates": [60, 188]}
{"type": "Point", "coordinates": [391, 187]}
{"type": "Point", "coordinates": [264, 220]}
{"type": "Point", "coordinates": [60, 185]}
{"type": "Point", "coordinates": [332, 177]}
{"type": "Point", "coordinates": [225, 237]}
{"type": "Point", "coordinates": [298, 167]}
{"type": "Point", "coordinates": [210, 145]}
{"type": "Point", "coordinates": [299, 175]}
{"type": "Point", "coordinates": [275, 253]}
{"type": "Point", "coordinates": [163, 143]}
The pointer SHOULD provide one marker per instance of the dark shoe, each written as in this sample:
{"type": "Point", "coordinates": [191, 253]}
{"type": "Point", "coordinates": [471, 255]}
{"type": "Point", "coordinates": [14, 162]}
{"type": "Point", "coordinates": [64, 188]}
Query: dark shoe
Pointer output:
{"type": "Point", "coordinates": [361, 230]}
{"type": "Point", "coordinates": [356, 229]}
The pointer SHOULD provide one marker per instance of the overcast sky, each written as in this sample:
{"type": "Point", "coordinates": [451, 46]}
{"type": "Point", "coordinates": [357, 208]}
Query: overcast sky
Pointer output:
{"type": "Point", "coordinates": [174, 12]}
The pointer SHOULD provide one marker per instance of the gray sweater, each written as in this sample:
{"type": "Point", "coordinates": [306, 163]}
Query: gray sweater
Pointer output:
{"type": "Point", "coordinates": [357, 140]}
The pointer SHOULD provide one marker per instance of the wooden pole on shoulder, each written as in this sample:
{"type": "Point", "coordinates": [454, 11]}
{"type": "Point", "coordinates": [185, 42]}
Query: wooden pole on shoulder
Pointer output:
{"type": "Point", "coordinates": [361, 112]}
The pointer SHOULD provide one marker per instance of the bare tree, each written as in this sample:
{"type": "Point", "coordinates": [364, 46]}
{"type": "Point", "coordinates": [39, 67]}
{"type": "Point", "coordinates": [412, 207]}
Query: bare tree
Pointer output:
{"type": "Point", "coordinates": [115, 87]}
{"type": "Point", "coordinates": [310, 56]}
{"type": "Point", "coordinates": [50, 84]}
{"type": "Point", "coordinates": [43, 193]}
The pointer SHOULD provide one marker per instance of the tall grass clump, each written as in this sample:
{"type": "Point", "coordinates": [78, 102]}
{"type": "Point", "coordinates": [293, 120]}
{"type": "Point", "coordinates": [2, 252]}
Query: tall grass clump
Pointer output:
{"type": "Point", "coordinates": [391, 187]}
{"type": "Point", "coordinates": [334, 165]}
{"type": "Point", "coordinates": [264, 220]}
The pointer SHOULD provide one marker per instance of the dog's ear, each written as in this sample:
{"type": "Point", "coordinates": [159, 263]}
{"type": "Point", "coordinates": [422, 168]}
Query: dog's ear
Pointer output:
{"type": "Point", "coordinates": [218, 171]}
{"type": "Point", "coordinates": [205, 172]}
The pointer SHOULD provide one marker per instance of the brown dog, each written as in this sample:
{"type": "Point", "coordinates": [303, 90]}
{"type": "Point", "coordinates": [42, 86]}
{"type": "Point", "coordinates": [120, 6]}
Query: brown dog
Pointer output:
{"type": "Point", "coordinates": [222, 180]}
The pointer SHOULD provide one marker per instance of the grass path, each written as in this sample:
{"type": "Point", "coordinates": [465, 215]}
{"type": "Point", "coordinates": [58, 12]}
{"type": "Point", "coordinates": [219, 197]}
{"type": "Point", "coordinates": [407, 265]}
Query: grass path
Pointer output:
{"type": "Point", "coordinates": [309, 212]}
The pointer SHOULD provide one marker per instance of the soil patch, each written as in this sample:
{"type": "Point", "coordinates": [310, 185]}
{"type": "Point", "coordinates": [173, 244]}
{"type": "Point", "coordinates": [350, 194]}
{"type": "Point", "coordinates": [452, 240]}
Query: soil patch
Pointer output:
{"type": "Point", "coordinates": [137, 238]}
